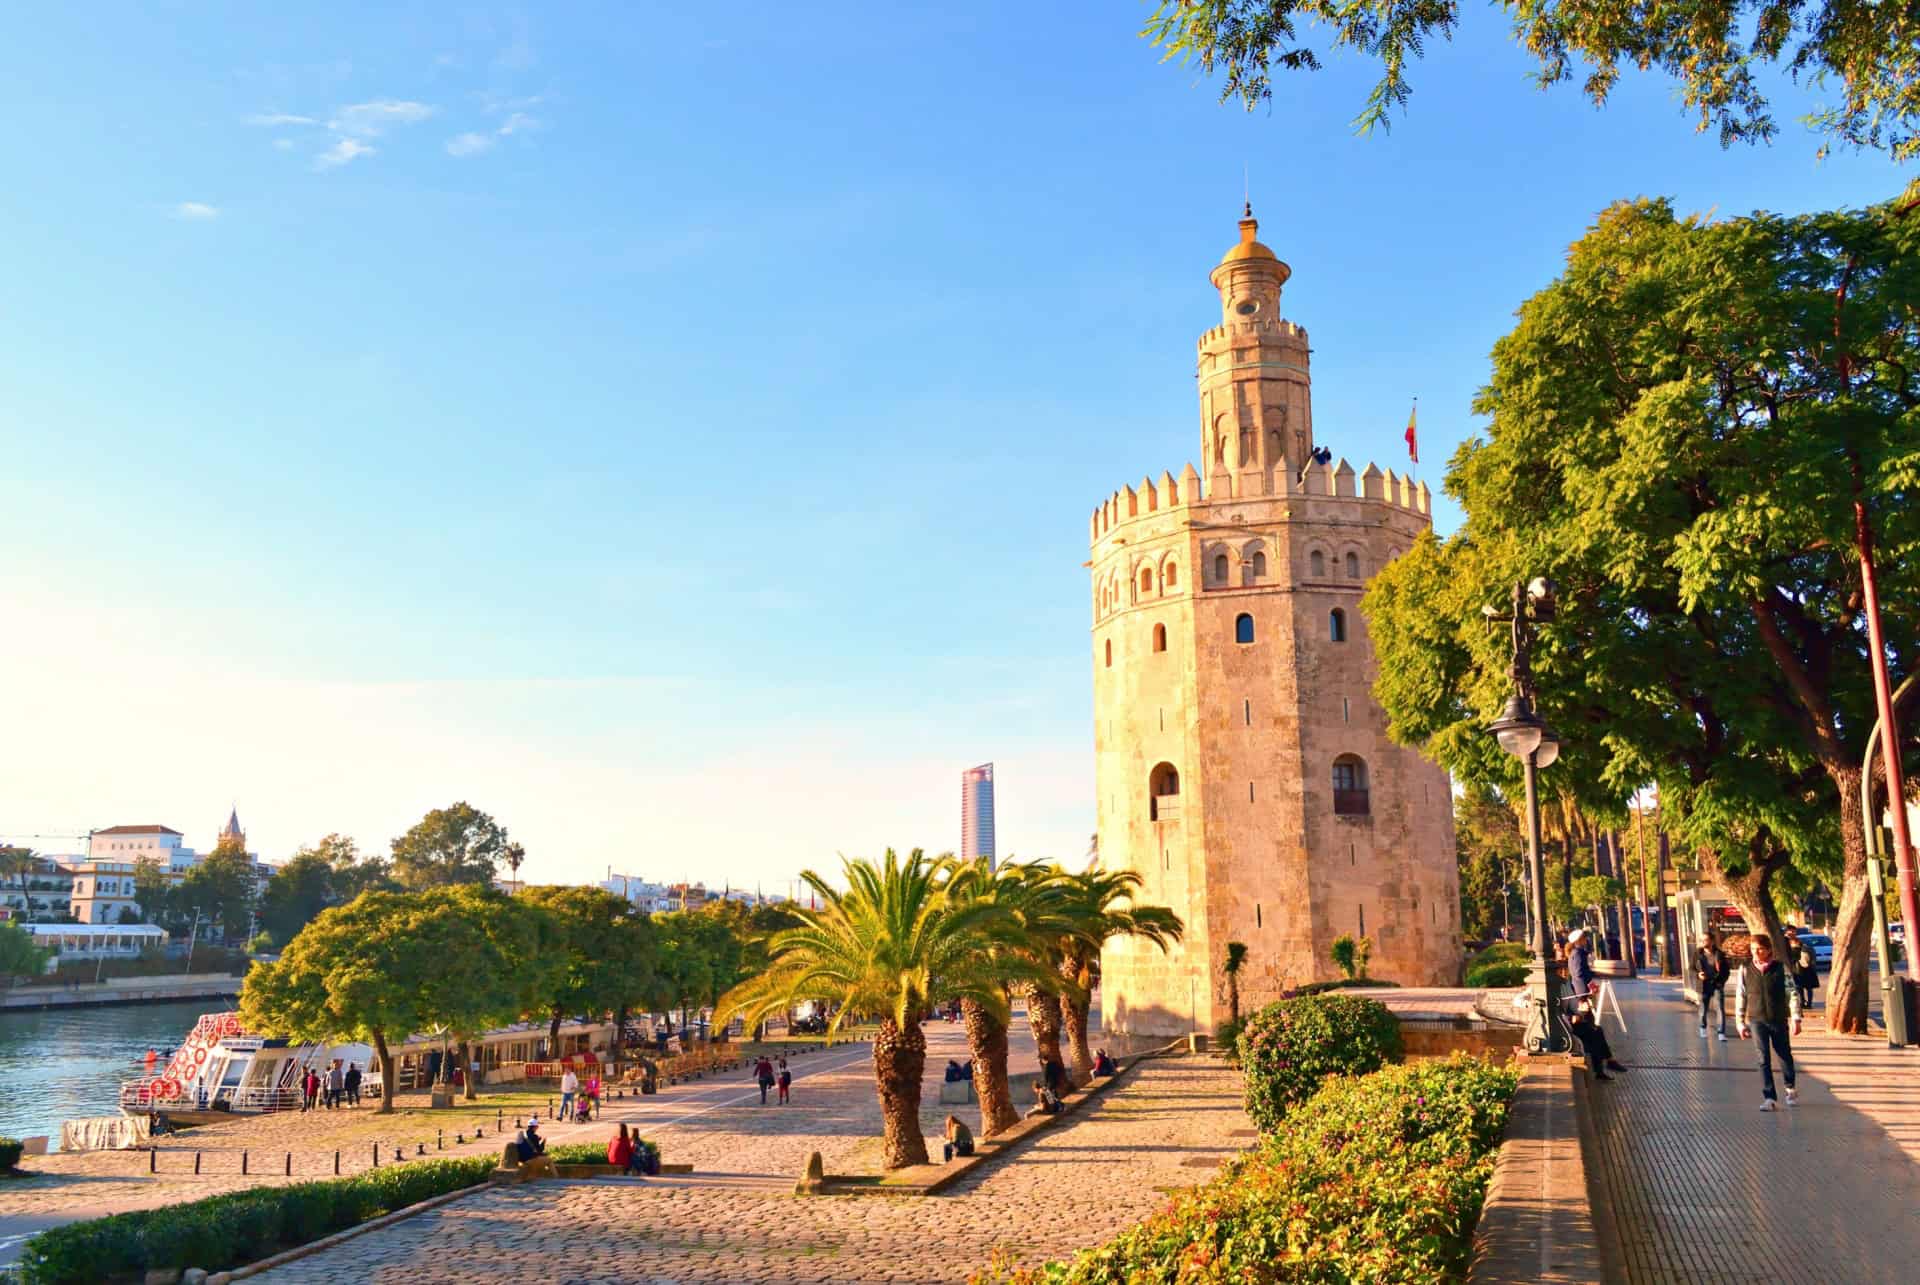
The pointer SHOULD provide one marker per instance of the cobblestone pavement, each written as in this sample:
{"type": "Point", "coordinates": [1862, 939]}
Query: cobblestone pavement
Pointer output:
{"type": "Point", "coordinates": [713, 1124]}
{"type": "Point", "coordinates": [1167, 1127]}
{"type": "Point", "coordinates": [1700, 1186]}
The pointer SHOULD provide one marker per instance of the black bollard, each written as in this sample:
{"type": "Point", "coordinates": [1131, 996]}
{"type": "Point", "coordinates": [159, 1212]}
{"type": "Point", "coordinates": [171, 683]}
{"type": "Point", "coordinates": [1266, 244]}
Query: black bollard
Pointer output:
{"type": "Point", "coordinates": [336, 1164]}
{"type": "Point", "coordinates": [289, 1164]}
{"type": "Point", "coordinates": [459, 1139]}
{"type": "Point", "coordinates": [420, 1149]}
{"type": "Point", "coordinates": [153, 1160]}
{"type": "Point", "coordinates": [243, 1163]}
{"type": "Point", "coordinates": [499, 1120]}
{"type": "Point", "coordinates": [376, 1155]}
{"type": "Point", "coordinates": [196, 1162]}
{"type": "Point", "coordinates": [398, 1155]}
{"type": "Point", "coordinates": [439, 1139]}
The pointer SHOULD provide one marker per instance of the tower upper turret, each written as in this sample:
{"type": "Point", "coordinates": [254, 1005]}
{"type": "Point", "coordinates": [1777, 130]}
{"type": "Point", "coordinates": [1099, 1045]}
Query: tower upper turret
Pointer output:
{"type": "Point", "coordinates": [1249, 277]}
{"type": "Point", "coordinates": [1256, 416]}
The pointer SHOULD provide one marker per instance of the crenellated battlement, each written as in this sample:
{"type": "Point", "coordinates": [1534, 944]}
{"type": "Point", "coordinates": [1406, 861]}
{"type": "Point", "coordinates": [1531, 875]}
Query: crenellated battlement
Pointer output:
{"type": "Point", "coordinates": [1288, 332]}
{"type": "Point", "coordinates": [1319, 482]}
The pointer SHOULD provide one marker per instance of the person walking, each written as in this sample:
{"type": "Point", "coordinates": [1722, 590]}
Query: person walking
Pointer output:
{"type": "Point", "coordinates": [785, 1080]}
{"type": "Point", "coordinates": [309, 1089]}
{"type": "Point", "coordinates": [1765, 1005]}
{"type": "Point", "coordinates": [763, 1072]}
{"type": "Point", "coordinates": [1710, 971]}
{"type": "Point", "coordinates": [353, 1086]}
{"type": "Point", "coordinates": [336, 1086]}
{"type": "Point", "coordinates": [569, 1087]}
{"type": "Point", "coordinates": [1805, 969]}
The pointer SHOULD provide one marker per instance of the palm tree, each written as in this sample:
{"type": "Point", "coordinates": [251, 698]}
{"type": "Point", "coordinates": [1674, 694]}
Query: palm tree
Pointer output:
{"type": "Point", "coordinates": [19, 863]}
{"type": "Point", "coordinates": [879, 949]}
{"type": "Point", "coordinates": [1099, 908]}
{"type": "Point", "coordinates": [1236, 960]}
{"type": "Point", "coordinates": [1029, 898]}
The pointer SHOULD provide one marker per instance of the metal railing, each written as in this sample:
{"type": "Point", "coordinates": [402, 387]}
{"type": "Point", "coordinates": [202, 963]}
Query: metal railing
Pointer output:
{"type": "Point", "coordinates": [1350, 803]}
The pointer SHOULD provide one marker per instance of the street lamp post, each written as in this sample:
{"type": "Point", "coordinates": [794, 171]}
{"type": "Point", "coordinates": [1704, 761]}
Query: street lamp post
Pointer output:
{"type": "Point", "coordinates": [1525, 735]}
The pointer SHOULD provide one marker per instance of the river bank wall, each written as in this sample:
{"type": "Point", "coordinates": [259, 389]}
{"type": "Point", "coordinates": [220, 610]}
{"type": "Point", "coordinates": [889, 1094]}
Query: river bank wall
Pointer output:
{"type": "Point", "coordinates": [128, 990]}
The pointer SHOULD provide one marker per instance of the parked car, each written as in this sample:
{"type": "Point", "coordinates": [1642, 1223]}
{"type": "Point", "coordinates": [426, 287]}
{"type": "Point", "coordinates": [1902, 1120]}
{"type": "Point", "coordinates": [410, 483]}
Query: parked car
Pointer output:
{"type": "Point", "coordinates": [1822, 947]}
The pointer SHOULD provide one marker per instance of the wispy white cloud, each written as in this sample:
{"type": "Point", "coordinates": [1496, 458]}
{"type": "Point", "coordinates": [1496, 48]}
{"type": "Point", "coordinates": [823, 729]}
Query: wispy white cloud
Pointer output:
{"type": "Point", "coordinates": [280, 118]}
{"type": "Point", "coordinates": [195, 211]}
{"type": "Point", "coordinates": [518, 123]}
{"type": "Point", "coordinates": [368, 120]}
{"type": "Point", "coordinates": [469, 144]}
{"type": "Point", "coordinates": [343, 151]}
{"type": "Point", "coordinates": [283, 144]}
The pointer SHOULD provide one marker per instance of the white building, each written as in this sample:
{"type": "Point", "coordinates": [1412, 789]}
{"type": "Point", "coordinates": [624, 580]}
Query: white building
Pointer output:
{"type": "Point", "coordinates": [94, 941]}
{"type": "Point", "coordinates": [133, 843]}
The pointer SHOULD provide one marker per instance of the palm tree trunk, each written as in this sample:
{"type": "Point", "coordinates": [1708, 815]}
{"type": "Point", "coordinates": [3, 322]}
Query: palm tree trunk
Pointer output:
{"type": "Point", "coordinates": [899, 1060]}
{"type": "Point", "coordinates": [1075, 1013]}
{"type": "Point", "coordinates": [987, 1041]}
{"type": "Point", "coordinates": [1043, 1017]}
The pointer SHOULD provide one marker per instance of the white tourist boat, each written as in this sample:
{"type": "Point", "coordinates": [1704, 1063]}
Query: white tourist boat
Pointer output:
{"type": "Point", "coordinates": [221, 1069]}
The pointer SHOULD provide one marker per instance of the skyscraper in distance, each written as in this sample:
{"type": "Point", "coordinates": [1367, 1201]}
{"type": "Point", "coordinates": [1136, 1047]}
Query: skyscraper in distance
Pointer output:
{"type": "Point", "coordinates": [976, 813]}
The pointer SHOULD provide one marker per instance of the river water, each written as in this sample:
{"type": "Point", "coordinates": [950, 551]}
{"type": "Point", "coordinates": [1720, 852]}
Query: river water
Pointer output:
{"type": "Point", "coordinates": [56, 1064]}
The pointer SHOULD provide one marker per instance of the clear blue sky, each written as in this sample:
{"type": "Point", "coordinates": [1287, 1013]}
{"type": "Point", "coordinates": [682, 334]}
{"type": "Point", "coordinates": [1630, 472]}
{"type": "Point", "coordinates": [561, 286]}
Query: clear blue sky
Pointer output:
{"type": "Point", "coordinates": [678, 438]}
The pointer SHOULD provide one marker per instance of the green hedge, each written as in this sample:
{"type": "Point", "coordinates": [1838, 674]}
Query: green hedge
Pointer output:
{"type": "Point", "coordinates": [592, 1153]}
{"type": "Point", "coordinates": [9, 1154]}
{"type": "Point", "coordinates": [224, 1232]}
{"type": "Point", "coordinates": [1289, 1047]}
{"type": "Point", "coordinates": [1500, 965]}
{"type": "Point", "coordinates": [1378, 1179]}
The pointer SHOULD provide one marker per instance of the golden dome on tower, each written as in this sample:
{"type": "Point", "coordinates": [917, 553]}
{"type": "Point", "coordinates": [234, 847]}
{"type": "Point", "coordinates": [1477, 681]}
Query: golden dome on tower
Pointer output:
{"type": "Point", "coordinates": [1249, 248]}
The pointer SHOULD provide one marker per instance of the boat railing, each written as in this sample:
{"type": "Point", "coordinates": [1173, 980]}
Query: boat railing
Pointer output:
{"type": "Point", "coordinates": [142, 1095]}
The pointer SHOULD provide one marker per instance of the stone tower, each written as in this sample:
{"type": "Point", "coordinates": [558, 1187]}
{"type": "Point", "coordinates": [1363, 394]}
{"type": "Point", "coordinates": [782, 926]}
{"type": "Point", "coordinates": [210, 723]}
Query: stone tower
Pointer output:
{"type": "Point", "coordinates": [1243, 768]}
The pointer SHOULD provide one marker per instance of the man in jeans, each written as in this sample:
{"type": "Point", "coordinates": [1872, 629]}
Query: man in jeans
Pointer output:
{"type": "Point", "coordinates": [1764, 1003]}
{"type": "Point", "coordinates": [569, 1086]}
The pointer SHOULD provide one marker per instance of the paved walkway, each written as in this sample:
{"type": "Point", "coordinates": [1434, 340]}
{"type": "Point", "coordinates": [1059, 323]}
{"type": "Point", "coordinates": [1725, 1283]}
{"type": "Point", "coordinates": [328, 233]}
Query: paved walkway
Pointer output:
{"type": "Point", "coordinates": [1696, 1185]}
{"type": "Point", "coordinates": [1167, 1127]}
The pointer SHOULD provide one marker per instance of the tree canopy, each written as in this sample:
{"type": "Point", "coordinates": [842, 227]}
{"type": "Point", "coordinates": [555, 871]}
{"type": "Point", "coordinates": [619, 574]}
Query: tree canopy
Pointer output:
{"type": "Point", "coordinates": [219, 888]}
{"type": "Point", "coordinates": [1718, 51]}
{"type": "Point", "coordinates": [328, 873]}
{"type": "Point", "coordinates": [456, 844]}
{"type": "Point", "coordinates": [1681, 427]}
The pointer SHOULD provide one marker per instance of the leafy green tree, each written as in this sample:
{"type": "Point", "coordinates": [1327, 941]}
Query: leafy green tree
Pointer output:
{"type": "Point", "coordinates": [456, 844]}
{"type": "Point", "coordinates": [19, 955]}
{"type": "Point", "coordinates": [1689, 431]}
{"type": "Point", "coordinates": [1346, 955]}
{"type": "Point", "coordinates": [608, 953]}
{"type": "Point", "coordinates": [331, 872]}
{"type": "Point", "coordinates": [1490, 850]}
{"type": "Point", "coordinates": [880, 949]}
{"type": "Point", "coordinates": [364, 971]}
{"type": "Point", "coordinates": [219, 888]}
{"type": "Point", "coordinates": [153, 890]}
{"type": "Point", "coordinates": [1719, 51]}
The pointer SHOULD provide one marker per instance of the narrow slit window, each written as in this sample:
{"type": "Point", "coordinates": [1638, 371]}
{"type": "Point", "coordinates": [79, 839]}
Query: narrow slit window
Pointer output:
{"type": "Point", "coordinates": [1353, 566]}
{"type": "Point", "coordinates": [1109, 660]}
{"type": "Point", "coordinates": [1159, 637]}
{"type": "Point", "coordinates": [1337, 625]}
{"type": "Point", "coordinates": [1243, 628]}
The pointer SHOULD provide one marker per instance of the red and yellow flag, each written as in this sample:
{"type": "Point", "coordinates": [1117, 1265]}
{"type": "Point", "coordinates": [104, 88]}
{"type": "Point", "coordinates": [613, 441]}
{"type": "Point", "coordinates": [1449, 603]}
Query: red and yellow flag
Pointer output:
{"type": "Point", "coordinates": [1413, 438]}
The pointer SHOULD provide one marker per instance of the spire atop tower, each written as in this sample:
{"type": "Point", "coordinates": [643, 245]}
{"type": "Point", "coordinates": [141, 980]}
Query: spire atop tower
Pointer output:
{"type": "Point", "coordinates": [232, 829]}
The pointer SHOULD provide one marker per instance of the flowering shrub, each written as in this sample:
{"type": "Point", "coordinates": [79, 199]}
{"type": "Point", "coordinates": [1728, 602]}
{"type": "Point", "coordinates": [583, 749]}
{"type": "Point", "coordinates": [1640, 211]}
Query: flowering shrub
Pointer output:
{"type": "Point", "coordinates": [1378, 1179]}
{"type": "Point", "coordinates": [1289, 1047]}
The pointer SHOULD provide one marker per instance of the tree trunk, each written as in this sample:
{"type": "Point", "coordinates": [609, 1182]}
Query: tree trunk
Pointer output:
{"type": "Point", "coordinates": [387, 1076]}
{"type": "Point", "coordinates": [987, 1042]}
{"type": "Point", "coordinates": [468, 1076]}
{"type": "Point", "coordinates": [619, 1038]}
{"type": "Point", "coordinates": [1233, 998]}
{"type": "Point", "coordinates": [553, 1036]}
{"type": "Point", "coordinates": [1043, 1018]}
{"type": "Point", "coordinates": [1847, 987]}
{"type": "Point", "coordinates": [1750, 892]}
{"type": "Point", "coordinates": [899, 1060]}
{"type": "Point", "coordinates": [1075, 1014]}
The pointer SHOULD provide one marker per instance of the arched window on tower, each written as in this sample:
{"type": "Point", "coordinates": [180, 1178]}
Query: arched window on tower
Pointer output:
{"type": "Point", "coordinates": [1243, 628]}
{"type": "Point", "coordinates": [1220, 567]}
{"type": "Point", "coordinates": [1353, 566]}
{"type": "Point", "coordinates": [1317, 563]}
{"type": "Point", "coordinates": [1259, 564]}
{"type": "Point", "coordinates": [1350, 786]}
{"type": "Point", "coordinates": [1163, 792]}
{"type": "Point", "coordinates": [1146, 579]}
{"type": "Point", "coordinates": [1171, 576]}
{"type": "Point", "coordinates": [1159, 637]}
{"type": "Point", "coordinates": [1109, 653]}
{"type": "Point", "coordinates": [1337, 625]}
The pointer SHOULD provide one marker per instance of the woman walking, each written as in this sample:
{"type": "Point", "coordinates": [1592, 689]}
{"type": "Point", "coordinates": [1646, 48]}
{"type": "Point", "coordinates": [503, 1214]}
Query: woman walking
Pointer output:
{"type": "Point", "coordinates": [1710, 971]}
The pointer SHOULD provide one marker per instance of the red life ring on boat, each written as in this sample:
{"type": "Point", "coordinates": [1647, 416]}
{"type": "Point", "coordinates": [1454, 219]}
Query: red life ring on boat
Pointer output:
{"type": "Point", "coordinates": [231, 1026]}
{"type": "Point", "coordinates": [199, 1058]}
{"type": "Point", "coordinates": [167, 1090]}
